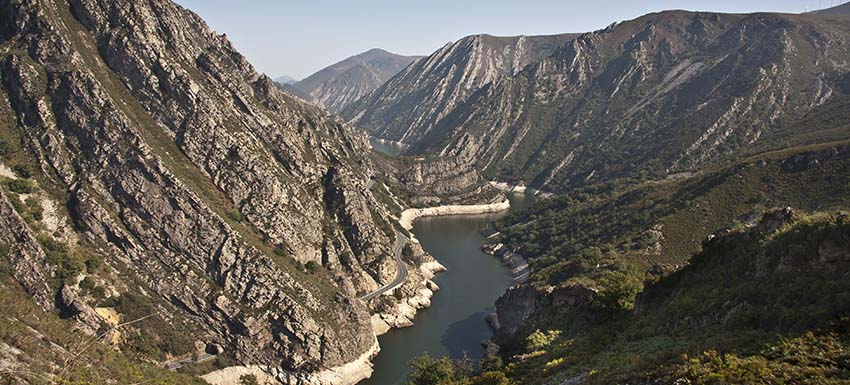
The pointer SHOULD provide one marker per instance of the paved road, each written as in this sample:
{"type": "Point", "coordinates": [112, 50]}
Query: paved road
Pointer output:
{"type": "Point", "coordinates": [189, 361]}
{"type": "Point", "coordinates": [401, 270]}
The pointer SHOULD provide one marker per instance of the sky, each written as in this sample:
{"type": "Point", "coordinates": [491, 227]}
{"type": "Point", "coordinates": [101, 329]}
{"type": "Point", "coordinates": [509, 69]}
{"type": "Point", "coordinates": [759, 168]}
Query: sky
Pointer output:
{"type": "Point", "coordinates": [299, 37]}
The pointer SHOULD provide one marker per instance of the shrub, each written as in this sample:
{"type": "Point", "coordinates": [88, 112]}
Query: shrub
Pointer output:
{"type": "Point", "coordinates": [35, 208]}
{"type": "Point", "coordinates": [433, 371]}
{"type": "Point", "coordinates": [92, 263]}
{"type": "Point", "coordinates": [235, 215]}
{"type": "Point", "coordinates": [312, 266]}
{"type": "Point", "coordinates": [248, 379]}
{"type": "Point", "coordinates": [539, 340]}
{"type": "Point", "coordinates": [87, 284]}
{"type": "Point", "coordinates": [23, 170]}
{"type": "Point", "coordinates": [7, 148]}
{"type": "Point", "coordinates": [620, 288]}
{"type": "Point", "coordinates": [345, 258]}
{"type": "Point", "coordinates": [21, 186]}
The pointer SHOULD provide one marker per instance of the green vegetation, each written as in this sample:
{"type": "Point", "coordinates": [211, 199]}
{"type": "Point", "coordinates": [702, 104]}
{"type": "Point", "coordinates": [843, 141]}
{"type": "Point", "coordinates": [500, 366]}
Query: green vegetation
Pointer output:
{"type": "Point", "coordinates": [762, 305]}
{"type": "Point", "coordinates": [312, 266]}
{"type": "Point", "coordinates": [20, 186]}
{"type": "Point", "coordinates": [595, 235]}
{"type": "Point", "coordinates": [27, 327]}
{"type": "Point", "coordinates": [153, 337]}
{"type": "Point", "coordinates": [248, 379]}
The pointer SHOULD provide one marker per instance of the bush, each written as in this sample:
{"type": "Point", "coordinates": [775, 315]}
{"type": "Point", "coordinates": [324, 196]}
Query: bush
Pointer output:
{"type": "Point", "coordinates": [87, 284]}
{"type": "Point", "coordinates": [539, 340]}
{"type": "Point", "coordinates": [21, 186]}
{"type": "Point", "coordinates": [92, 263]}
{"type": "Point", "coordinates": [23, 170]}
{"type": "Point", "coordinates": [345, 258]}
{"type": "Point", "coordinates": [312, 266]}
{"type": "Point", "coordinates": [248, 379]}
{"type": "Point", "coordinates": [620, 288]}
{"type": "Point", "coordinates": [35, 208]}
{"type": "Point", "coordinates": [434, 371]}
{"type": "Point", "coordinates": [7, 148]}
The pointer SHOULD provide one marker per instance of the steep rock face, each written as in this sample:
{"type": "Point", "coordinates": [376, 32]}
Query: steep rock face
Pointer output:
{"type": "Point", "coordinates": [647, 98]}
{"type": "Point", "coordinates": [343, 83]}
{"type": "Point", "coordinates": [411, 103]}
{"type": "Point", "coordinates": [203, 188]}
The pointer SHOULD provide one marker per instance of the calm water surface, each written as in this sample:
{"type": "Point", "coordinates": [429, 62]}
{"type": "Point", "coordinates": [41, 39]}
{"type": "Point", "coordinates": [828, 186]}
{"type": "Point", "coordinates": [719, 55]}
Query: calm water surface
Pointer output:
{"type": "Point", "coordinates": [455, 323]}
{"type": "Point", "coordinates": [386, 147]}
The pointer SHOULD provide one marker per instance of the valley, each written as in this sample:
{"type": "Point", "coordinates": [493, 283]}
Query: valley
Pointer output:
{"type": "Point", "coordinates": [663, 200]}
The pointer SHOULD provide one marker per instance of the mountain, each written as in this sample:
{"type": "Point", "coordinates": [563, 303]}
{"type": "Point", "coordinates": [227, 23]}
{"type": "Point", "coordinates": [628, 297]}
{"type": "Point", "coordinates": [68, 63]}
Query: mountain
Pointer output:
{"type": "Point", "coordinates": [407, 106]}
{"type": "Point", "coordinates": [161, 200]}
{"type": "Point", "coordinates": [662, 94]}
{"type": "Point", "coordinates": [690, 278]}
{"type": "Point", "coordinates": [344, 82]}
{"type": "Point", "coordinates": [285, 80]}
{"type": "Point", "coordinates": [843, 9]}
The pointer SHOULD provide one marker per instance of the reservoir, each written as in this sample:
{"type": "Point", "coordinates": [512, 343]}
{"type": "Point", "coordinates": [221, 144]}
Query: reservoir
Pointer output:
{"type": "Point", "coordinates": [455, 323]}
{"type": "Point", "coordinates": [387, 147]}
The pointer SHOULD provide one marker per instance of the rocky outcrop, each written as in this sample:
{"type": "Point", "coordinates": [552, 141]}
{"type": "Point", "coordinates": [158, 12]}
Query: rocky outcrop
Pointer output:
{"type": "Point", "coordinates": [228, 212]}
{"type": "Point", "coordinates": [407, 107]}
{"type": "Point", "coordinates": [660, 95]}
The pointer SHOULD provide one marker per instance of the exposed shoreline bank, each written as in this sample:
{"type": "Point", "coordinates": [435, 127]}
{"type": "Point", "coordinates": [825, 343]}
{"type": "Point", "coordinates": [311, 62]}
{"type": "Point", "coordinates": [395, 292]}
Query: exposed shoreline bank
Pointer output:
{"type": "Point", "coordinates": [520, 188]}
{"type": "Point", "coordinates": [408, 216]}
{"type": "Point", "coordinates": [346, 374]}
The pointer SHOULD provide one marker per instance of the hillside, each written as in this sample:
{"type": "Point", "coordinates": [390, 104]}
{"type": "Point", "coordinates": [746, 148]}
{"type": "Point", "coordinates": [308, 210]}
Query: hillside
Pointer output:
{"type": "Point", "coordinates": [839, 10]}
{"type": "Point", "coordinates": [767, 304]}
{"type": "Point", "coordinates": [342, 83]}
{"type": "Point", "coordinates": [406, 107]}
{"type": "Point", "coordinates": [153, 186]}
{"type": "Point", "coordinates": [644, 99]}
{"type": "Point", "coordinates": [285, 80]}
{"type": "Point", "coordinates": [708, 278]}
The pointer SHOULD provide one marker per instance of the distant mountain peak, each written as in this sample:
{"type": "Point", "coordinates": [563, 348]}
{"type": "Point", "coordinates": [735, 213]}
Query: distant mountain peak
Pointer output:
{"type": "Point", "coordinates": [346, 81]}
{"type": "Point", "coordinates": [285, 80]}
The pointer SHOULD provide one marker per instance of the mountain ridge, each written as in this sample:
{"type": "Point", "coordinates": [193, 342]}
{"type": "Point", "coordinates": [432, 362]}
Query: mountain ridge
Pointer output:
{"type": "Point", "coordinates": [409, 104]}
{"type": "Point", "coordinates": [341, 83]}
{"type": "Point", "coordinates": [542, 128]}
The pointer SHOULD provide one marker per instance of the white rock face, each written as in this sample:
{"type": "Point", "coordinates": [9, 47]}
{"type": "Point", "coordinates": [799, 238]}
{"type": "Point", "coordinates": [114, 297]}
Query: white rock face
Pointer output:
{"type": "Point", "coordinates": [407, 216]}
{"type": "Point", "coordinates": [347, 374]}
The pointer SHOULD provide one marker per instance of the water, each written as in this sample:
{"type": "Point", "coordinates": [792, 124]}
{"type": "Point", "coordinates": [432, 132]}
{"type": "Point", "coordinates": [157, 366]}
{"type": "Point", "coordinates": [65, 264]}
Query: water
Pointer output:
{"type": "Point", "coordinates": [455, 322]}
{"type": "Point", "coordinates": [386, 147]}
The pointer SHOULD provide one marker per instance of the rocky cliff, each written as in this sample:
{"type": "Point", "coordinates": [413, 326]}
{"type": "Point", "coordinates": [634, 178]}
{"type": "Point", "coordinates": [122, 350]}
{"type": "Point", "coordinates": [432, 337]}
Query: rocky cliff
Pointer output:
{"type": "Point", "coordinates": [158, 176]}
{"type": "Point", "coordinates": [407, 107]}
{"type": "Point", "coordinates": [659, 95]}
{"type": "Point", "coordinates": [343, 83]}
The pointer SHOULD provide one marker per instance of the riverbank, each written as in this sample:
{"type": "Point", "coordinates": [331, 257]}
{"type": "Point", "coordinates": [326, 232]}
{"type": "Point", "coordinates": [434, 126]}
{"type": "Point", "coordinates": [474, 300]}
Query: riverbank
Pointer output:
{"type": "Point", "coordinates": [405, 309]}
{"type": "Point", "coordinates": [521, 189]}
{"type": "Point", "coordinates": [347, 374]}
{"type": "Point", "coordinates": [408, 216]}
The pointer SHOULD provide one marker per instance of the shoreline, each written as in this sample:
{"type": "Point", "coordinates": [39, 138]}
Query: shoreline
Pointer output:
{"type": "Point", "coordinates": [408, 216]}
{"type": "Point", "coordinates": [346, 374]}
{"type": "Point", "coordinates": [520, 188]}
{"type": "Point", "coordinates": [387, 141]}
{"type": "Point", "coordinates": [406, 309]}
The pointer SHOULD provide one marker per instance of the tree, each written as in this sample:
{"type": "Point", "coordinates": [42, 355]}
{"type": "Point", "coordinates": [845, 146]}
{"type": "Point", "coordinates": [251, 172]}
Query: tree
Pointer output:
{"type": "Point", "coordinates": [431, 371]}
{"type": "Point", "coordinates": [620, 288]}
{"type": "Point", "coordinates": [248, 379]}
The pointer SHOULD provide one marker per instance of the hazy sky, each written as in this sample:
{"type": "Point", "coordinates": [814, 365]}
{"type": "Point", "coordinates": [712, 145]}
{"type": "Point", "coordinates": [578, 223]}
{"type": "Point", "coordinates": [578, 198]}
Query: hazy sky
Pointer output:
{"type": "Point", "coordinates": [299, 37]}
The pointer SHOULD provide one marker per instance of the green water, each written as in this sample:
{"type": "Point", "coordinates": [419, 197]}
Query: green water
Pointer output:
{"type": "Point", "coordinates": [455, 322]}
{"type": "Point", "coordinates": [389, 148]}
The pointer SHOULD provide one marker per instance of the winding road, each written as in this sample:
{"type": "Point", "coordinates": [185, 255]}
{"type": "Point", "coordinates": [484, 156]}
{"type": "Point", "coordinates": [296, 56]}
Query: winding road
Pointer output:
{"type": "Point", "coordinates": [401, 270]}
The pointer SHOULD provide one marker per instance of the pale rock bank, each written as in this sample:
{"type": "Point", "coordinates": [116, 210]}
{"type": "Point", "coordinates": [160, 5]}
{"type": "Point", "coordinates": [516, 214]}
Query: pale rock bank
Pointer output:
{"type": "Point", "coordinates": [346, 374]}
